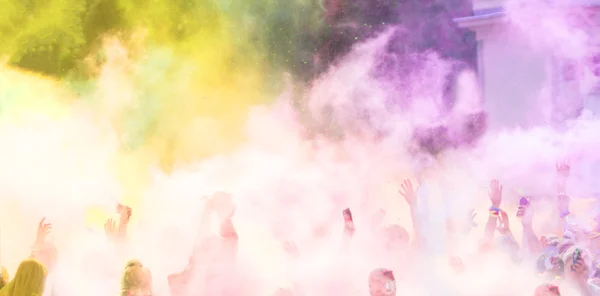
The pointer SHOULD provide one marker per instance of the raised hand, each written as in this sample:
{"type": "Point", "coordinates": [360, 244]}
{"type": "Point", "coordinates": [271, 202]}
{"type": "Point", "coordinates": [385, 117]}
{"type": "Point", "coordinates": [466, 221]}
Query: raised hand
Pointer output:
{"type": "Point", "coordinates": [408, 192]}
{"type": "Point", "coordinates": [291, 248]}
{"type": "Point", "coordinates": [557, 264]}
{"type": "Point", "coordinates": [457, 264]}
{"type": "Point", "coordinates": [111, 230]}
{"type": "Point", "coordinates": [349, 227]}
{"type": "Point", "coordinates": [495, 193]}
{"type": "Point", "coordinates": [525, 212]}
{"type": "Point", "coordinates": [124, 214]}
{"type": "Point", "coordinates": [227, 229]}
{"type": "Point", "coordinates": [563, 169]}
{"type": "Point", "coordinates": [578, 275]}
{"type": "Point", "coordinates": [580, 268]}
{"type": "Point", "coordinates": [503, 223]}
{"type": "Point", "coordinates": [471, 219]}
{"type": "Point", "coordinates": [42, 232]}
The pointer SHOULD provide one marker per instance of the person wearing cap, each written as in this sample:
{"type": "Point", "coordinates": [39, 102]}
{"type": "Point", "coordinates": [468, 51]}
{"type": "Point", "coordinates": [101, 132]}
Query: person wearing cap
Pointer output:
{"type": "Point", "coordinates": [382, 283]}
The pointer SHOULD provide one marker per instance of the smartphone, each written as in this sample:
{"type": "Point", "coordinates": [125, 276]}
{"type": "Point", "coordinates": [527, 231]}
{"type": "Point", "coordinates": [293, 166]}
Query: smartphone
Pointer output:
{"type": "Point", "coordinates": [347, 215]}
{"type": "Point", "coordinates": [550, 252]}
{"type": "Point", "coordinates": [348, 222]}
{"type": "Point", "coordinates": [523, 205]}
{"type": "Point", "coordinates": [576, 257]}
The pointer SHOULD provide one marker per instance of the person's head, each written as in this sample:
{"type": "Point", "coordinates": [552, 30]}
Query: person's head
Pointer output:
{"type": "Point", "coordinates": [382, 283]}
{"type": "Point", "coordinates": [4, 278]}
{"type": "Point", "coordinates": [547, 290]}
{"type": "Point", "coordinates": [29, 280]}
{"type": "Point", "coordinates": [136, 280]}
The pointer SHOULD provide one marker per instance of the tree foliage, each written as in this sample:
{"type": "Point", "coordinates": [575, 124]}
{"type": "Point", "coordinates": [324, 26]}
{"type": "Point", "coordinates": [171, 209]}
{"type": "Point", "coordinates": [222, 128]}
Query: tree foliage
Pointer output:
{"type": "Point", "coordinates": [300, 36]}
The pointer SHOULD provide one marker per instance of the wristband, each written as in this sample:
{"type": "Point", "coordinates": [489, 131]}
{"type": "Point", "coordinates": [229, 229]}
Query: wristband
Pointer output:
{"type": "Point", "coordinates": [494, 211]}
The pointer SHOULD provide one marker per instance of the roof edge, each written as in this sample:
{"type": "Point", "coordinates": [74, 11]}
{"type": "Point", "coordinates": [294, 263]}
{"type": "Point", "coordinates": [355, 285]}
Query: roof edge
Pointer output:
{"type": "Point", "coordinates": [480, 20]}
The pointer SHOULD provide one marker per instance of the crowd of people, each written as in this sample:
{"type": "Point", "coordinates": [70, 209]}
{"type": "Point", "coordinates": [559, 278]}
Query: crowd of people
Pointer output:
{"type": "Point", "coordinates": [564, 261]}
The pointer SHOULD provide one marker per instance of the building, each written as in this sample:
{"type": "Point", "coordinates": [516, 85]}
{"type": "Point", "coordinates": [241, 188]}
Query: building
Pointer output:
{"type": "Point", "coordinates": [527, 80]}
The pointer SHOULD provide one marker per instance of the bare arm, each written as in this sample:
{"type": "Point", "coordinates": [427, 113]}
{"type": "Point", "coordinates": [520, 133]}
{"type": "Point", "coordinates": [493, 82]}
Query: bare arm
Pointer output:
{"type": "Point", "coordinates": [116, 231]}
{"type": "Point", "coordinates": [508, 241]}
{"type": "Point", "coordinates": [230, 238]}
{"type": "Point", "coordinates": [495, 196]}
{"type": "Point", "coordinates": [531, 243]}
{"type": "Point", "coordinates": [563, 171]}
{"type": "Point", "coordinates": [410, 195]}
{"type": "Point", "coordinates": [490, 228]}
{"type": "Point", "coordinates": [348, 228]}
{"type": "Point", "coordinates": [42, 232]}
{"type": "Point", "coordinates": [42, 249]}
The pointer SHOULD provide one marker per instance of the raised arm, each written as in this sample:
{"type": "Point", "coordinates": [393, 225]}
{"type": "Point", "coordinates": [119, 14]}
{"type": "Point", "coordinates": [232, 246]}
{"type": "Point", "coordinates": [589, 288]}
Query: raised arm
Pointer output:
{"type": "Point", "coordinates": [43, 250]}
{"type": "Point", "coordinates": [223, 206]}
{"type": "Point", "coordinates": [230, 237]}
{"type": "Point", "coordinates": [349, 228]}
{"type": "Point", "coordinates": [531, 243]}
{"type": "Point", "coordinates": [563, 171]}
{"type": "Point", "coordinates": [495, 195]}
{"type": "Point", "coordinates": [124, 216]}
{"type": "Point", "coordinates": [410, 195]}
{"type": "Point", "coordinates": [43, 231]}
{"type": "Point", "coordinates": [116, 231]}
{"type": "Point", "coordinates": [507, 239]}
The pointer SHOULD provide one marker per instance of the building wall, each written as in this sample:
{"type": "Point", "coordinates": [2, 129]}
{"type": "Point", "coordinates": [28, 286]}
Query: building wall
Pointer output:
{"type": "Point", "coordinates": [479, 5]}
{"type": "Point", "coordinates": [516, 78]}
{"type": "Point", "coordinates": [482, 5]}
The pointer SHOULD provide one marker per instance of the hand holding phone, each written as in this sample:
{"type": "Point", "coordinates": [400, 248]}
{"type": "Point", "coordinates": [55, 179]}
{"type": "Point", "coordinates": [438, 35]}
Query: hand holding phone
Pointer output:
{"type": "Point", "coordinates": [124, 213]}
{"type": "Point", "coordinates": [576, 257]}
{"type": "Point", "coordinates": [523, 206]}
{"type": "Point", "coordinates": [348, 221]}
{"type": "Point", "coordinates": [347, 215]}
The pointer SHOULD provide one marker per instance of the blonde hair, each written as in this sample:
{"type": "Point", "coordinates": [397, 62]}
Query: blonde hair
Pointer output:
{"type": "Point", "coordinates": [4, 277]}
{"type": "Point", "coordinates": [135, 278]}
{"type": "Point", "coordinates": [29, 280]}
